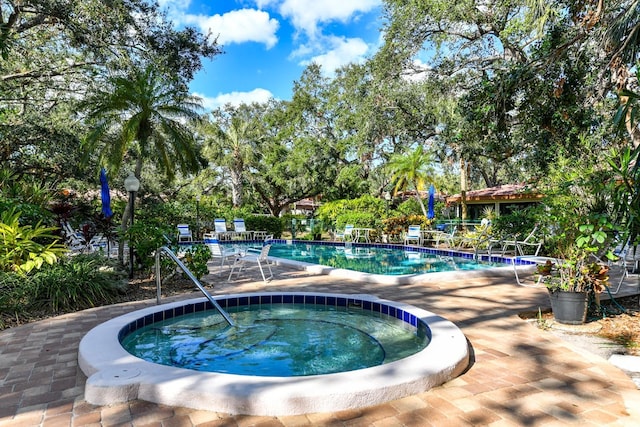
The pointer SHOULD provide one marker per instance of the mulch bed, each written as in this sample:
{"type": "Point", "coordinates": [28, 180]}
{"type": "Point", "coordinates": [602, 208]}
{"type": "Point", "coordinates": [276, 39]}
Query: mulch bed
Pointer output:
{"type": "Point", "coordinates": [618, 321]}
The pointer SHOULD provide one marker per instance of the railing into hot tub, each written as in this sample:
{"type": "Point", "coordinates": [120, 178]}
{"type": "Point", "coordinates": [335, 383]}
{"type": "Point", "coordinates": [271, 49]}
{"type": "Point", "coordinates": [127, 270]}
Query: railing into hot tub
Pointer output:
{"type": "Point", "coordinates": [191, 276]}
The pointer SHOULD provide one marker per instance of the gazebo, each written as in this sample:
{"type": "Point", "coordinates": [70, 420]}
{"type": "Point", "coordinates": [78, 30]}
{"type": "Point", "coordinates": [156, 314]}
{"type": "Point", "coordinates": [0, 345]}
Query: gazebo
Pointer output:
{"type": "Point", "coordinates": [502, 199]}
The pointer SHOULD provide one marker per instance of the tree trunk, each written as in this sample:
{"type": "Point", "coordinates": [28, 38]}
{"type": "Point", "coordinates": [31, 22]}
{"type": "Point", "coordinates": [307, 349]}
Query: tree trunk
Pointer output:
{"type": "Point", "coordinates": [464, 186]}
{"type": "Point", "coordinates": [236, 187]}
{"type": "Point", "coordinates": [424, 211]}
{"type": "Point", "coordinates": [630, 125]}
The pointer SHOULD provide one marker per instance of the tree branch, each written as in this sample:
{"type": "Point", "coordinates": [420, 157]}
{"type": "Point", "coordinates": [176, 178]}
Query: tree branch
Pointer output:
{"type": "Point", "coordinates": [48, 73]}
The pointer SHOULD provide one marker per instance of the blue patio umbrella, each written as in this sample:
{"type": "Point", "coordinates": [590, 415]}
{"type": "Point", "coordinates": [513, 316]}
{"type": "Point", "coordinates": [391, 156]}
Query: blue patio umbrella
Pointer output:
{"type": "Point", "coordinates": [432, 195]}
{"type": "Point", "coordinates": [104, 194]}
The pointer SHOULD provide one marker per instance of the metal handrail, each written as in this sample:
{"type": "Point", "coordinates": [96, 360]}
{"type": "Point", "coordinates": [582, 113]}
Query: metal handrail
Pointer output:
{"type": "Point", "coordinates": [191, 276]}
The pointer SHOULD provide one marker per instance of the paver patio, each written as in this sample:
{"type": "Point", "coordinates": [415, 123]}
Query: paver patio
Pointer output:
{"type": "Point", "coordinates": [519, 375]}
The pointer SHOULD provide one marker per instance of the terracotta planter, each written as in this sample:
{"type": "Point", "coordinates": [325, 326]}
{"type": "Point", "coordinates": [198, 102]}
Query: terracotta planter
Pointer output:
{"type": "Point", "coordinates": [569, 307]}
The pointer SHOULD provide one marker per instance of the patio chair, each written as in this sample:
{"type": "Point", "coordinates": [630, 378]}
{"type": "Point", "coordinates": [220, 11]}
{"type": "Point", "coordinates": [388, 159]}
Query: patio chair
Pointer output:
{"type": "Point", "coordinates": [346, 234]}
{"type": "Point", "coordinates": [240, 229]}
{"type": "Point", "coordinates": [252, 256]}
{"type": "Point", "coordinates": [222, 253]}
{"type": "Point", "coordinates": [618, 267]}
{"type": "Point", "coordinates": [447, 237]}
{"type": "Point", "coordinates": [184, 233]}
{"type": "Point", "coordinates": [519, 247]}
{"type": "Point", "coordinates": [476, 240]}
{"type": "Point", "coordinates": [413, 234]}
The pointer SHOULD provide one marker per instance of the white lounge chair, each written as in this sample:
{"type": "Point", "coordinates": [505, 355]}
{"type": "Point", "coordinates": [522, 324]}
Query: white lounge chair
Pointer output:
{"type": "Point", "coordinates": [240, 229]}
{"type": "Point", "coordinates": [413, 234]}
{"type": "Point", "coordinates": [477, 240]}
{"type": "Point", "coordinates": [346, 234]}
{"type": "Point", "coordinates": [518, 247]}
{"type": "Point", "coordinates": [220, 228]}
{"type": "Point", "coordinates": [252, 256]}
{"type": "Point", "coordinates": [184, 233]}
{"type": "Point", "coordinates": [447, 237]}
{"type": "Point", "coordinates": [74, 240]}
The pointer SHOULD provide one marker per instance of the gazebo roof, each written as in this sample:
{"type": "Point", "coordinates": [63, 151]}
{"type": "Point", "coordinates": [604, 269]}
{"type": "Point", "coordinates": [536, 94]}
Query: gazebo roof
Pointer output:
{"type": "Point", "coordinates": [507, 192]}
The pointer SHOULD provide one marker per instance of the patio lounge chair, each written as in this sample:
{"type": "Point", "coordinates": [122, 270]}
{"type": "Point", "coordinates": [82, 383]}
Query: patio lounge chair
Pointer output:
{"type": "Point", "coordinates": [446, 237]}
{"type": "Point", "coordinates": [253, 256]}
{"type": "Point", "coordinates": [220, 226]}
{"type": "Point", "coordinates": [222, 253]}
{"type": "Point", "coordinates": [413, 234]}
{"type": "Point", "coordinates": [73, 239]}
{"type": "Point", "coordinates": [184, 234]}
{"type": "Point", "coordinates": [518, 247]}
{"type": "Point", "coordinates": [478, 239]}
{"type": "Point", "coordinates": [346, 234]}
{"type": "Point", "coordinates": [240, 229]}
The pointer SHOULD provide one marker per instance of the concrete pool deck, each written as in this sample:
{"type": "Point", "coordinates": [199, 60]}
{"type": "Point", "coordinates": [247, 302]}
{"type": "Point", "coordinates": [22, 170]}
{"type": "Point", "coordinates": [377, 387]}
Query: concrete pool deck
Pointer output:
{"type": "Point", "coordinates": [519, 375]}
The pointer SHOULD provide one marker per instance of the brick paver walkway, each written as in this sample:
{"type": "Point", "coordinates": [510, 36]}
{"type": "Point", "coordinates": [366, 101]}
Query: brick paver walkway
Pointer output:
{"type": "Point", "coordinates": [519, 375]}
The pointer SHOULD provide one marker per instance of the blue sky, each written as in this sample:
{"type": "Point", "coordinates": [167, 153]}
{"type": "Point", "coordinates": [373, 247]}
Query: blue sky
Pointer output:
{"type": "Point", "coordinates": [268, 43]}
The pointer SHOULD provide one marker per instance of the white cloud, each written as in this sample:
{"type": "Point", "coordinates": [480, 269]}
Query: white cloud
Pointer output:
{"type": "Point", "coordinates": [238, 26]}
{"type": "Point", "coordinates": [235, 98]}
{"type": "Point", "coordinates": [419, 71]}
{"type": "Point", "coordinates": [342, 51]}
{"type": "Point", "coordinates": [307, 14]}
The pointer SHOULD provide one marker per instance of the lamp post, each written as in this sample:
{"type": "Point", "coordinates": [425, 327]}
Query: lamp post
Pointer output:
{"type": "Point", "coordinates": [387, 197]}
{"type": "Point", "coordinates": [131, 184]}
{"type": "Point", "coordinates": [198, 217]}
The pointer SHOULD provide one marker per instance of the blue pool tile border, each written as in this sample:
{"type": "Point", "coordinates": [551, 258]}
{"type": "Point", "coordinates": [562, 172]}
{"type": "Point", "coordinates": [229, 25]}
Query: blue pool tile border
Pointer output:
{"type": "Point", "coordinates": [311, 299]}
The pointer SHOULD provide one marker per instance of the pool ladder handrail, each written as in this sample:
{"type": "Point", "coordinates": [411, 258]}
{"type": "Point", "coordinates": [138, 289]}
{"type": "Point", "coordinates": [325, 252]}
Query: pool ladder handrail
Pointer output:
{"type": "Point", "coordinates": [189, 274]}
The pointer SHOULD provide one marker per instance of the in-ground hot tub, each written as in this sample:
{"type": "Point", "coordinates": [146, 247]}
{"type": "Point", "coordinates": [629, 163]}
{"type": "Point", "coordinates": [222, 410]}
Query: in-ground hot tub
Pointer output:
{"type": "Point", "coordinates": [114, 375]}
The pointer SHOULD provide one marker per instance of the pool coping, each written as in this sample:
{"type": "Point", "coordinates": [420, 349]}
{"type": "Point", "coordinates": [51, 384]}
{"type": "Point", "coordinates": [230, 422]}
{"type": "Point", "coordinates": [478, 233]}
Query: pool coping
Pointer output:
{"type": "Point", "coordinates": [115, 376]}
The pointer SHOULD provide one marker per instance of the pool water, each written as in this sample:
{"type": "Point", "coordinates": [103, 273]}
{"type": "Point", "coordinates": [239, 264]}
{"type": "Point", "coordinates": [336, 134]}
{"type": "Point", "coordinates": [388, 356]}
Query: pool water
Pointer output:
{"type": "Point", "coordinates": [374, 259]}
{"type": "Point", "coordinates": [278, 340]}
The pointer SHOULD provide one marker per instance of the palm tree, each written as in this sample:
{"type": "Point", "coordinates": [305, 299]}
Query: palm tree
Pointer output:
{"type": "Point", "coordinates": [231, 142]}
{"type": "Point", "coordinates": [412, 170]}
{"type": "Point", "coordinates": [142, 118]}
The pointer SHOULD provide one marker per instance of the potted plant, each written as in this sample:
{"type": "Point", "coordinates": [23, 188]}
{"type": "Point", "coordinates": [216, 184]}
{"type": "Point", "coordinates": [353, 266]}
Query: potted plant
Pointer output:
{"type": "Point", "coordinates": [580, 273]}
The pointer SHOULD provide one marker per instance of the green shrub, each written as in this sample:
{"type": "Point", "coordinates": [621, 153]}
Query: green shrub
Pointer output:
{"type": "Point", "coordinates": [518, 222]}
{"type": "Point", "coordinates": [336, 214]}
{"type": "Point", "coordinates": [196, 258]}
{"type": "Point", "coordinates": [146, 237]}
{"type": "Point", "coordinates": [395, 226]}
{"type": "Point", "coordinates": [74, 283]}
{"type": "Point", "coordinates": [270, 224]}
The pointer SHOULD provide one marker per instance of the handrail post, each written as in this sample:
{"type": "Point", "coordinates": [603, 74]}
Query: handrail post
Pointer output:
{"type": "Point", "coordinates": [193, 279]}
{"type": "Point", "coordinates": [158, 278]}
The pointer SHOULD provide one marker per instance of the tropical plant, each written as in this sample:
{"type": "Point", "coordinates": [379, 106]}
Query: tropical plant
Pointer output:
{"type": "Point", "coordinates": [77, 282]}
{"type": "Point", "coordinates": [583, 267]}
{"type": "Point", "coordinates": [230, 140]}
{"type": "Point", "coordinates": [412, 170]}
{"type": "Point", "coordinates": [144, 239]}
{"type": "Point", "coordinates": [196, 258]}
{"type": "Point", "coordinates": [26, 247]}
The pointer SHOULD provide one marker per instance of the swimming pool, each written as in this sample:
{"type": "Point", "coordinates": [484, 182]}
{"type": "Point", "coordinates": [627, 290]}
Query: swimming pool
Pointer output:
{"type": "Point", "coordinates": [386, 260]}
{"type": "Point", "coordinates": [389, 260]}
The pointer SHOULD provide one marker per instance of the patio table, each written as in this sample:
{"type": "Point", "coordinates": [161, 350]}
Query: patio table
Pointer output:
{"type": "Point", "coordinates": [362, 233]}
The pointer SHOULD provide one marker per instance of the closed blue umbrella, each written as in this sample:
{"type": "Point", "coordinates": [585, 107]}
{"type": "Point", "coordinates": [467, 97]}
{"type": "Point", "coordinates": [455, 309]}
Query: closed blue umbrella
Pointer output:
{"type": "Point", "coordinates": [104, 194]}
{"type": "Point", "coordinates": [432, 195]}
